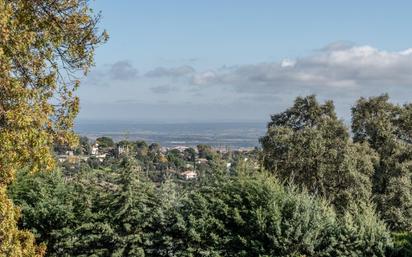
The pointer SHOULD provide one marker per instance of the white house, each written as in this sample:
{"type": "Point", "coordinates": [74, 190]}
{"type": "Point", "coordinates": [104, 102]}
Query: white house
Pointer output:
{"type": "Point", "coordinates": [180, 148]}
{"type": "Point", "coordinates": [188, 175]}
{"type": "Point", "coordinates": [95, 149]}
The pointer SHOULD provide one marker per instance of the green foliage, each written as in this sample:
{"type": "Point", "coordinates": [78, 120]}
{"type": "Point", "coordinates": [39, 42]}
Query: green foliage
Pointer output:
{"type": "Point", "coordinates": [253, 215]}
{"type": "Point", "coordinates": [385, 127]}
{"type": "Point", "coordinates": [13, 241]}
{"type": "Point", "coordinates": [121, 213]}
{"type": "Point", "coordinates": [95, 213]}
{"type": "Point", "coordinates": [175, 158]}
{"type": "Point", "coordinates": [94, 162]}
{"type": "Point", "coordinates": [84, 147]}
{"type": "Point", "coordinates": [361, 233]}
{"type": "Point", "coordinates": [189, 154]}
{"type": "Point", "coordinates": [205, 151]}
{"type": "Point", "coordinates": [309, 146]}
{"type": "Point", "coordinates": [130, 210]}
{"type": "Point", "coordinates": [105, 142]}
{"type": "Point", "coordinates": [142, 150]}
{"type": "Point", "coordinates": [51, 208]}
{"type": "Point", "coordinates": [402, 245]}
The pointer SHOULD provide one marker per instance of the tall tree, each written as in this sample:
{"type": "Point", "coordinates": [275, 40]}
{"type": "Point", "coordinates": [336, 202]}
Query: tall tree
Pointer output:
{"type": "Point", "coordinates": [43, 45]}
{"type": "Point", "coordinates": [308, 145]}
{"type": "Point", "coordinates": [387, 128]}
{"type": "Point", "coordinates": [131, 210]}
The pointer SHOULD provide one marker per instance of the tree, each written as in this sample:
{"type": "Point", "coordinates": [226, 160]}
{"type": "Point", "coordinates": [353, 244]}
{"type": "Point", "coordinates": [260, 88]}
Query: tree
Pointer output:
{"type": "Point", "coordinates": [309, 146]}
{"type": "Point", "coordinates": [254, 215]}
{"type": "Point", "coordinates": [189, 154]}
{"type": "Point", "coordinates": [175, 159]}
{"type": "Point", "coordinates": [205, 151]}
{"type": "Point", "coordinates": [154, 148]}
{"type": "Point", "coordinates": [43, 45]}
{"type": "Point", "coordinates": [155, 154]}
{"type": "Point", "coordinates": [121, 213]}
{"type": "Point", "coordinates": [142, 149]}
{"type": "Point", "coordinates": [46, 204]}
{"type": "Point", "coordinates": [15, 242]}
{"type": "Point", "coordinates": [386, 127]}
{"type": "Point", "coordinates": [131, 210]}
{"type": "Point", "coordinates": [105, 142]}
{"type": "Point", "coordinates": [84, 146]}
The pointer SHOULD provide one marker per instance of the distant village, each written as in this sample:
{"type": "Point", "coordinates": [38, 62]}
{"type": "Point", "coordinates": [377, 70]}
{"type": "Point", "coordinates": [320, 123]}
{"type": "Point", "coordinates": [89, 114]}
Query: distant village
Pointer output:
{"type": "Point", "coordinates": [182, 162]}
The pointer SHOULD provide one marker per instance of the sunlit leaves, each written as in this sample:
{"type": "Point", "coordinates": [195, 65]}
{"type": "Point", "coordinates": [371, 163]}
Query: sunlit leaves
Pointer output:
{"type": "Point", "coordinates": [44, 44]}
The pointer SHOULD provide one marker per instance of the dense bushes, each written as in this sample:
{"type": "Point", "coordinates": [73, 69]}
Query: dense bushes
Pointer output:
{"type": "Point", "coordinates": [255, 216]}
{"type": "Point", "coordinates": [121, 213]}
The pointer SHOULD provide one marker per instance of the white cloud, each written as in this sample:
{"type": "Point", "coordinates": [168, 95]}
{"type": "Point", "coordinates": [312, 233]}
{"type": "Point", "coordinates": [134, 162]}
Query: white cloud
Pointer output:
{"type": "Point", "coordinates": [285, 63]}
{"type": "Point", "coordinates": [204, 78]}
{"type": "Point", "coordinates": [335, 67]}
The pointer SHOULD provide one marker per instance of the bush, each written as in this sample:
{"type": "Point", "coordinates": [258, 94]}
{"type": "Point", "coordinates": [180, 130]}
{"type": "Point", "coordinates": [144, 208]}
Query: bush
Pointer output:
{"type": "Point", "coordinates": [402, 245]}
{"type": "Point", "coordinates": [121, 213]}
{"type": "Point", "coordinates": [255, 216]}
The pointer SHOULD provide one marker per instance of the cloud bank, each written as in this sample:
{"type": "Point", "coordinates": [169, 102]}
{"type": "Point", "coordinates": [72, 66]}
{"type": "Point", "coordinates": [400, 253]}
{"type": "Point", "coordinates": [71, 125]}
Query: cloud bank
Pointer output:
{"type": "Point", "coordinates": [333, 68]}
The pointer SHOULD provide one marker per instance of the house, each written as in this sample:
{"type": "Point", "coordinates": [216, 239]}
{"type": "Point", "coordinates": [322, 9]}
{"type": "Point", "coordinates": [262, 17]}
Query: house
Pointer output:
{"type": "Point", "coordinates": [62, 158]}
{"type": "Point", "coordinates": [188, 175]}
{"type": "Point", "coordinates": [180, 148]}
{"type": "Point", "coordinates": [69, 156]}
{"type": "Point", "coordinates": [202, 161]}
{"type": "Point", "coordinates": [101, 157]}
{"type": "Point", "coordinates": [122, 149]}
{"type": "Point", "coordinates": [95, 149]}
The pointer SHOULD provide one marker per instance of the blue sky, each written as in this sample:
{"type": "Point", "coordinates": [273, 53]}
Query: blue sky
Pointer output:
{"type": "Point", "coordinates": [227, 60]}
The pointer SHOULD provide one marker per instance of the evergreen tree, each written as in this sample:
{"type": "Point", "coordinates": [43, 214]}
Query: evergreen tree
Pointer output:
{"type": "Point", "coordinates": [120, 213]}
{"type": "Point", "coordinates": [130, 210]}
{"type": "Point", "coordinates": [253, 215]}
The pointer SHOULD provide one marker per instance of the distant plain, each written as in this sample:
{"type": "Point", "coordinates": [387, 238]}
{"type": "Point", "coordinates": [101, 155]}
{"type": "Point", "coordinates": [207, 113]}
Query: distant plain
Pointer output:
{"type": "Point", "coordinates": [232, 135]}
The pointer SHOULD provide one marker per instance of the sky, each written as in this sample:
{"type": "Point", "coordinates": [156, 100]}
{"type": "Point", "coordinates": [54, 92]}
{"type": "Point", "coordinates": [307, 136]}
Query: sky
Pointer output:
{"type": "Point", "coordinates": [175, 61]}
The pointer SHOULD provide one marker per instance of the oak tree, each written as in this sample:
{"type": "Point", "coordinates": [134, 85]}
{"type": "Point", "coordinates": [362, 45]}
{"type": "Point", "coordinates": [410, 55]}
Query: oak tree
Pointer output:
{"type": "Point", "coordinates": [44, 47]}
{"type": "Point", "coordinates": [308, 145]}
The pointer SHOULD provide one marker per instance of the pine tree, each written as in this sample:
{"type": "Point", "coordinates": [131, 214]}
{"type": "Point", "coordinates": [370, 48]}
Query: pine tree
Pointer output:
{"type": "Point", "coordinates": [131, 210]}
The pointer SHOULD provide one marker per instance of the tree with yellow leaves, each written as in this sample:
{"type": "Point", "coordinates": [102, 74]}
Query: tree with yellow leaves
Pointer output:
{"type": "Point", "coordinates": [44, 46]}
